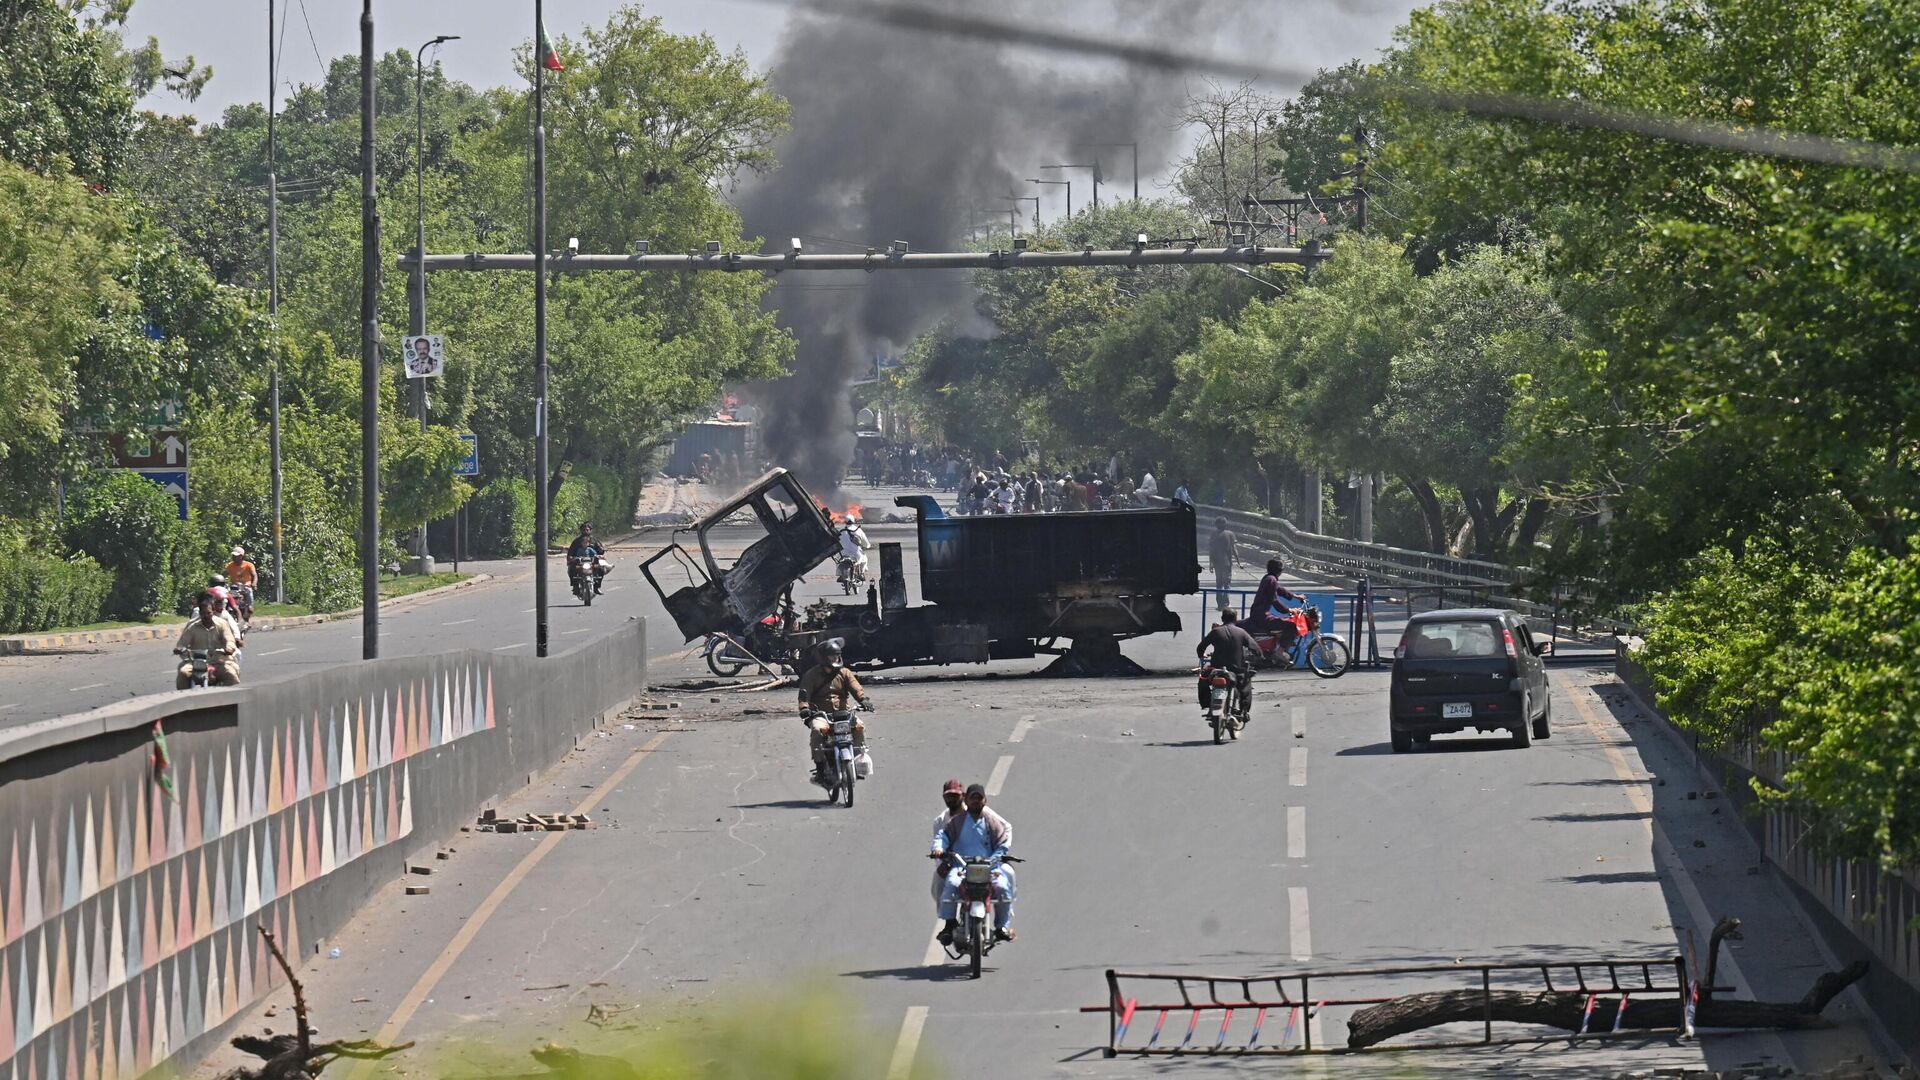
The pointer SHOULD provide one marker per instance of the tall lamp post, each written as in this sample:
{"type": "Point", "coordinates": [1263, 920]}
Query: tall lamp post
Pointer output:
{"type": "Point", "coordinates": [417, 322]}
{"type": "Point", "coordinates": [1068, 184]}
{"type": "Point", "coordinates": [369, 355]}
{"type": "Point", "coordinates": [1035, 200]}
{"type": "Point", "coordinates": [1094, 169]}
{"type": "Point", "coordinates": [1133, 146]}
{"type": "Point", "coordinates": [273, 307]}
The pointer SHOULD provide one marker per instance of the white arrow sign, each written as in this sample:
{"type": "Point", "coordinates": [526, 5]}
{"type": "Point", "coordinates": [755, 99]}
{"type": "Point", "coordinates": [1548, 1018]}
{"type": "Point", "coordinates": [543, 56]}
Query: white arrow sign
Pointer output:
{"type": "Point", "coordinates": [175, 490]}
{"type": "Point", "coordinates": [173, 447]}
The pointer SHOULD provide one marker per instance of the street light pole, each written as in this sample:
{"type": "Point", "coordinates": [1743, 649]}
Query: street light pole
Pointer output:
{"type": "Point", "coordinates": [369, 355]}
{"type": "Point", "coordinates": [542, 510]}
{"type": "Point", "coordinates": [417, 293]}
{"type": "Point", "coordinates": [273, 307]}
{"type": "Point", "coordinates": [1068, 184]}
{"type": "Point", "coordinates": [1132, 146]}
{"type": "Point", "coordinates": [1094, 169]}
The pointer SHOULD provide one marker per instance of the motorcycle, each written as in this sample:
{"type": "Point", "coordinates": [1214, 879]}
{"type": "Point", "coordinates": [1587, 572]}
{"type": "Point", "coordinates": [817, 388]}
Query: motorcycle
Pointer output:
{"type": "Point", "coordinates": [1226, 713]}
{"type": "Point", "coordinates": [581, 571]}
{"type": "Point", "coordinates": [851, 575]}
{"type": "Point", "coordinates": [840, 763]}
{"type": "Point", "coordinates": [242, 599]}
{"type": "Point", "coordinates": [202, 675]}
{"type": "Point", "coordinates": [973, 936]}
{"type": "Point", "coordinates": [1325, 654]}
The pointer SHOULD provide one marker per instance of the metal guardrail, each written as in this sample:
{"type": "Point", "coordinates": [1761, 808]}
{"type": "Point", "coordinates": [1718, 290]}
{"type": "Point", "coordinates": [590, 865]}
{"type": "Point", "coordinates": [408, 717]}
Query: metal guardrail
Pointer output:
{"type": "Point", "coordinates": [1445, 578]}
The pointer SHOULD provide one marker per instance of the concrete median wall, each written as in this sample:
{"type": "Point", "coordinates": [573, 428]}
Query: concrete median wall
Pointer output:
{"type": "Point", "coordinates": [132, 880]}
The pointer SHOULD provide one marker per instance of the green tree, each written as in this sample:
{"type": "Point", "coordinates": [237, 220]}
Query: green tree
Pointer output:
{"type": "Point", "coordinates": [62, 107]}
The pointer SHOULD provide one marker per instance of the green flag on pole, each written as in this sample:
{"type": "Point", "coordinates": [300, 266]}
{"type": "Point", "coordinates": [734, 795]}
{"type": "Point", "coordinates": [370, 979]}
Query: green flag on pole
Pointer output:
{"type": "Point", "coordinates": [549, 56]}
{"type": "Point", "coordinates": [163, 762]}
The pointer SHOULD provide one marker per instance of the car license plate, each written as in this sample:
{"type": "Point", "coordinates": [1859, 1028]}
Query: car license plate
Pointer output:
{"type": "Point", "coordinates": [1456, 710]}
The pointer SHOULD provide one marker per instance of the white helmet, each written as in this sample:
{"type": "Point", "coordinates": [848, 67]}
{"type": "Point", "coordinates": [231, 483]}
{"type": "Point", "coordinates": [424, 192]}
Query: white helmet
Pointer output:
{"type": "Point", "coordinates": [239, 552]}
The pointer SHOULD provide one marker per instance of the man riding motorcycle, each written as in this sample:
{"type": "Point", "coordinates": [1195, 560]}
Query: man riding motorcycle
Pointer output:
{"type": "Point", "coordinates": [245, 579]}
{"type": "Point", "coordinates": [854, 546]}
{"type": "Point", "coordinates": [207, 633]}
{"type": "Point", "coordinates": [1264, 599]}
{"type": "Point", "coordinates": [952, 794]}
{"type": "Point", "coordinates": [586, 546]}
{"type": "Point", "coordinates": [828, 687]}
{"type": "Point", "coordinates": [1233, 650]}
{"type": "Point", "coordinates": [223, 609]}
{"type": "Point", "coordinates": [982, 834]}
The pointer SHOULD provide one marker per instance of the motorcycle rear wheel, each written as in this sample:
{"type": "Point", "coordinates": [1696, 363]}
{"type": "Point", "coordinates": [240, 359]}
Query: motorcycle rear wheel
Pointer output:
{"type": "Point", "coordinates": [1218, 720]}
{"type": "Point", "coordinates": [726, 669]}
{"type": "Point", "coordinates": [1329, 658]}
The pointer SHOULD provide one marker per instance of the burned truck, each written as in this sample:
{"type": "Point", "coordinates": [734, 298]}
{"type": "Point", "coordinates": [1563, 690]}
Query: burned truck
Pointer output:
{"type": "Point", "coordinates": [1069, 585]}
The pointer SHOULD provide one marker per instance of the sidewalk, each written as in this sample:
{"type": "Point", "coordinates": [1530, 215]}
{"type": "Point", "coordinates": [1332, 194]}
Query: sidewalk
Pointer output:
{"type": "Point", "coordinates": [20, 644]}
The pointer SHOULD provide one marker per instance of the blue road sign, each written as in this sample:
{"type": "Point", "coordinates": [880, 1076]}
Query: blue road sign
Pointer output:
{"type": "Point", "coordinates": [469, 465]}
{"type": "Point", "coordinates": [173, 482]}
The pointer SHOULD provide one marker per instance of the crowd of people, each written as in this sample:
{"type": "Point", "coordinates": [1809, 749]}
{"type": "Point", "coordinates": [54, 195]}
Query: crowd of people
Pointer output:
{"type": "Point", "coordinates": [989, 484]}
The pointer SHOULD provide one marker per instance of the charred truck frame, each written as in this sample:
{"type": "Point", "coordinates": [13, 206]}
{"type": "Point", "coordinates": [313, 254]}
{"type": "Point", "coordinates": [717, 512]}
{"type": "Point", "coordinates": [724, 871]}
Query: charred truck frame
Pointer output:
{"type": "Point", "coordinates": [993, 588]}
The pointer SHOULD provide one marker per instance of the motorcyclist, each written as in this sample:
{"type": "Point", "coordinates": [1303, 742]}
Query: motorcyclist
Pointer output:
{"type": "Point", "coordinates": [828, 687]}
{"type": "Point", "coordinates": [854, 546]}
{"type": "Point", "coordinates": [245, 579]}
{"type": "Point", "coordinates": [1233, 649]}
{"type": "Point", "coordinates": [981, 834]}
{"type": "Point", "coordinates": [586, 546]}
{"type": "Point", "coordinates": [951, 793]}
{"type": "Point", "coordinates": [223, 608]}
{"type": "Point", "coordinates": [209, 633]}
{"type": "Point", "coordinates": [1259, 621]}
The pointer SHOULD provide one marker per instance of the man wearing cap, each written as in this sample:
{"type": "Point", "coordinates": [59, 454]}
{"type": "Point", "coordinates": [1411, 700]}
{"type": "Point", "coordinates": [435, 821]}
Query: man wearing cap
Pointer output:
{"type": "Point", "coordinates": [827, 687]}
{"type": "Point", "coordinates": [981, 834]}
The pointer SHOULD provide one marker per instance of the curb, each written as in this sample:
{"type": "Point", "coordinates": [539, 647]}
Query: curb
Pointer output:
{"type": "Point", "coordinates": [20, 645]}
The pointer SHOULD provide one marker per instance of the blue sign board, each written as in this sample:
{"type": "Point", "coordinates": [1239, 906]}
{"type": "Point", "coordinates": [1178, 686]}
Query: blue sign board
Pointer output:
{"type": "Point", "coordinates": [469, 465]}
{"type": "Point", "coordinates": [173, 482]}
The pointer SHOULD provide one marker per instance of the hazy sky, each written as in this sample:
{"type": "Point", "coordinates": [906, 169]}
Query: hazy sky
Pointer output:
{"type": "Point", "coordinates": [231, 34]}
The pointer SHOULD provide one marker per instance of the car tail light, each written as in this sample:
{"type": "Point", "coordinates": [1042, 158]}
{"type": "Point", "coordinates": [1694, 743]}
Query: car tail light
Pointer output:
{"type": "Point", "coordinates": [1419, 708]}
{"type": "Point", "coordinates": [1400, 650]}
{"type": "Point", "coordinates": [1511, 653]}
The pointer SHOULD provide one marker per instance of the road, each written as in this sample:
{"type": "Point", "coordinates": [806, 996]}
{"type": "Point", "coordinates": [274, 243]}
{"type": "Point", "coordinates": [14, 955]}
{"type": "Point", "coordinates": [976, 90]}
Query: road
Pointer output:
{"type": "Point", "coordinates": [717, 872]}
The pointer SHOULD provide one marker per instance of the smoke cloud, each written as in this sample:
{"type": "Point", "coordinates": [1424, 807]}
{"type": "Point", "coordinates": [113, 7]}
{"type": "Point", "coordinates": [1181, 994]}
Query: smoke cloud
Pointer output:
{"type": "Point", "coordinates": [901, 136]}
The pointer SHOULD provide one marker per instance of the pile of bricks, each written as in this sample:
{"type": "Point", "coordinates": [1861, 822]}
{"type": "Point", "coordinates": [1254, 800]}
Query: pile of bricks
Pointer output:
{"type": "Point", "coordinates": [491, 821]}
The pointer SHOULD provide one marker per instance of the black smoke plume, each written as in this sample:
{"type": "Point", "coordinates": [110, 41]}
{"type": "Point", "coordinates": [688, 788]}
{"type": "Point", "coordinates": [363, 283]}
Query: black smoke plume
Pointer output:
{"type": "Point", "coordinates": [901, 136]}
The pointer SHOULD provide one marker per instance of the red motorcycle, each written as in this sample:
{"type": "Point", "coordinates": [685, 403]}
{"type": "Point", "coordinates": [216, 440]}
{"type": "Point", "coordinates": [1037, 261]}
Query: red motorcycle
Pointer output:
{"type": "Point", "coordinates": [1325, 654]}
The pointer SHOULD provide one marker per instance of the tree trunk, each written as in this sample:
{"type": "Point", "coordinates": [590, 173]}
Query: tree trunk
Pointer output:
{"type": "Point", "coordinates": [1415, 1012]}
{"type": "Point", "coordinates": [1530, 524]}
{"type": "Point", "coordinates": [1430, 512]}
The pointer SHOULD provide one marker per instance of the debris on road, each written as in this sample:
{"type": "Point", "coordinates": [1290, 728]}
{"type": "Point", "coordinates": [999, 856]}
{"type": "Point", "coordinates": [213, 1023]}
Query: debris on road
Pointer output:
{"type": "Point", "coordinates": [295, 1055]}
{"type": "Point", "coordinates": [490, 821]}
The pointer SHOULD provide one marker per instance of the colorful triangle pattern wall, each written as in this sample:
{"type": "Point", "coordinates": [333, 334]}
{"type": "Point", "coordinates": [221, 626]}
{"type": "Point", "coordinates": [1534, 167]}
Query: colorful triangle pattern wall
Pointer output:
{"type": "Point", "coordinates": [128, 919]}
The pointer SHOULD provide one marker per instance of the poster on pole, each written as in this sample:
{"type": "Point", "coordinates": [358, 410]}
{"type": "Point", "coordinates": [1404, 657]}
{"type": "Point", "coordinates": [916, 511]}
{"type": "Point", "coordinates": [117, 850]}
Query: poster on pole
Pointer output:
{"type": "Point", "coordinates": [426, 355]}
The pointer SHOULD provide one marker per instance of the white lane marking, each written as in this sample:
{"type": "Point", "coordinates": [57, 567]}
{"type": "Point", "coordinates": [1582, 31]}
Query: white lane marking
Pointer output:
{"type": "Point", "coordinates": [89, 686]}
{"type": "Point", "coordinates": [1296, 832]}
{"type": "Point", "coordinates": [504, 648]}
{"type": "Point", "coordinates": [9, 705]}
{"type": "Point", "coordinates": [999, 775]}
{"type": "Point", "coordinates": [1297, 767]}
{"type": "Point", "coordinates": [531, 610]}
{"type": "Point", "coordinates": [1297, 927]}
{"type": "Point", "coordinates": [277, 652]}
{"type": "Point", "coordinates": [902, 1064]}
{"type": "Point", "coordinates": [936, 952]}
{"type": "Point", "coordinates": [458, 622]}
{"type": "Point", "coordinates": [585, 629]}
{"type": "Point", "coordinates": [1020, 729]}
{"type": "Point", "coordinates": [1299, 721]}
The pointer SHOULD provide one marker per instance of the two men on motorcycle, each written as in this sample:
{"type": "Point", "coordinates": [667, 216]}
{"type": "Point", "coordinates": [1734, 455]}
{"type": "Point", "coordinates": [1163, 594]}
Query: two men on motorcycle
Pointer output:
{"type": "Point", "coordinates": [829, 686]}
{"type": "Point", "coordinates": [1233, 650]}
{"type": "Point", "coordinates": [973, 831]}
{"type": "Point", "coordinates": [207, 632]}
{"type": "Point", "coordinates": [586, 547]}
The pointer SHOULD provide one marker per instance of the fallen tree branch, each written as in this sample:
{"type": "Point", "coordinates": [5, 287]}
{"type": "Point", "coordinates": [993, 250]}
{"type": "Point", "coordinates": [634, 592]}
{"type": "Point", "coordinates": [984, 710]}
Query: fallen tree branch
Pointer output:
{"type": "Point", "coordinates": [294, 1056]}
{"type": "Point", "coordinates": [1564, 1010]}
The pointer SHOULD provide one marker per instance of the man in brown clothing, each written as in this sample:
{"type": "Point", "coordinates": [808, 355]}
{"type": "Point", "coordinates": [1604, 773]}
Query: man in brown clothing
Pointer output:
{"type": "Point", "coordinates": [829, 686]}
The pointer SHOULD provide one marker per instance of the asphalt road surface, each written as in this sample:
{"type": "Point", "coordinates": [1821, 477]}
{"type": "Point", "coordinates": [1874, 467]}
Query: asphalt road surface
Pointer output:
{"type": "Point", "coordinates": [717, 871]}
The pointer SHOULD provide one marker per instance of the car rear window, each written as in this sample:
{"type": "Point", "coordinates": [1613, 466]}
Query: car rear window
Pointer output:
{"type": "Point", "coordinates": [1453, 640]}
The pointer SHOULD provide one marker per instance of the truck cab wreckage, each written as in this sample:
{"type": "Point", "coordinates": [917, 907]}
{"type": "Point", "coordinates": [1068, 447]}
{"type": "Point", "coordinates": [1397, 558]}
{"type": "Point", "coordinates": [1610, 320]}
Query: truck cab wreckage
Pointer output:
{"type": "Point", "coordinates": [1003, 587]}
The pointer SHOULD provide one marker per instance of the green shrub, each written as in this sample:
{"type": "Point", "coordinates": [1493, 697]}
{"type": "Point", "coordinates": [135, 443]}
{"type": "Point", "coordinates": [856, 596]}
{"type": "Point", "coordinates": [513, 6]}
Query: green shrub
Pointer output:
{"type": "Point", "coordinates": [41, 592]}
{"type": "Point", "coordinates": [596, 493]}
{"type": "Point", "coordinates": [323, 565]}
{"type": "Point", "coordinates": [500, 519]}
{"type": "Point", "coordinates": [133, 529]}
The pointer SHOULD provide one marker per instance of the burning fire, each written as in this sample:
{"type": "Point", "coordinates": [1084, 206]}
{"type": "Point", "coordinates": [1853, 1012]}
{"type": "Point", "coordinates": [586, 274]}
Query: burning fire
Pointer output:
{"type": "Point", "coordinates": [853, 511]}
